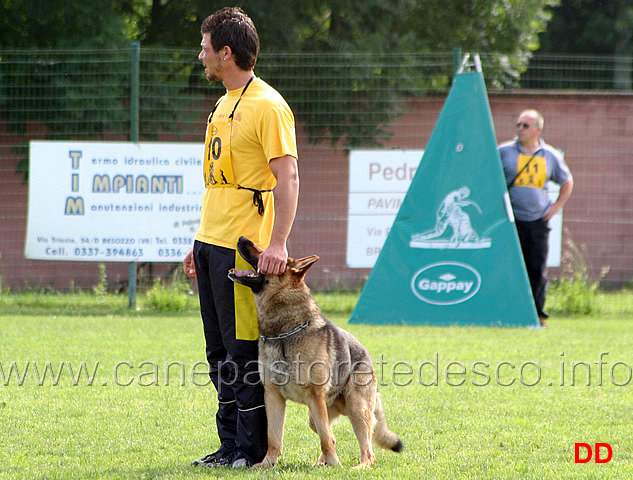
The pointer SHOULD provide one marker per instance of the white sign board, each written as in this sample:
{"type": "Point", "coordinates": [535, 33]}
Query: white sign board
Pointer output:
{"type": "Point", "coordinates": [378, 183]}
{"type": "Point", "coordinates": [113, 201]}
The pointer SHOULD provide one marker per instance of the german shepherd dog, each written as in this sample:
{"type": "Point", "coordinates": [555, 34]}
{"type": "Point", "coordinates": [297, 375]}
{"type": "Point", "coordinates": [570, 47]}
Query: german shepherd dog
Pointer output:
{"type": "Point", "coordinates": [305, 358]}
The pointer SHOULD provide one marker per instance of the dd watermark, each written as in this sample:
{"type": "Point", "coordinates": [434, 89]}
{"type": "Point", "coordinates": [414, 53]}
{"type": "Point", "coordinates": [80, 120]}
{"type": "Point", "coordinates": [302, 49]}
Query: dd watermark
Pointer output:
{"type": "Point", "coordinates": [600, 452]}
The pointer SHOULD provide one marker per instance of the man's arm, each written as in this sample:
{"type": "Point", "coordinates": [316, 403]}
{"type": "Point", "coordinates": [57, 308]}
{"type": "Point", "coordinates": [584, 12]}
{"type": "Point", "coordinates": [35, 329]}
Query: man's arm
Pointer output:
{"type": "Point", "coordinates": [563, 196]}
{"type": "Point", "coordinates": [273, 259]}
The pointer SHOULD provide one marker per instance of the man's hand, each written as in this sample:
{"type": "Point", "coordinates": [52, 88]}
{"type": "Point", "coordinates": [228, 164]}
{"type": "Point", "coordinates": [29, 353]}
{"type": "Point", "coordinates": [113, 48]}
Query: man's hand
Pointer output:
{"type": "Point", "coordinates": [551, 212]}
{"type": "Point", "coordinates": [273, 260]}
{"type": "Point", "coordinates": [563, 196]}
{"type": "Point", "coordinates": [189, 265]}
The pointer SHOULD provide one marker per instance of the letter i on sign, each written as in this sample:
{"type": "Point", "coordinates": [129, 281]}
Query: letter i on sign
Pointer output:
{"type": "Point", "coordinates": [74, 157]}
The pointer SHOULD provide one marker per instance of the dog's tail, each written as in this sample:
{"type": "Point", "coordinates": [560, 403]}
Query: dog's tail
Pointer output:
{"type": "Point", "coordinates": [383, 437]}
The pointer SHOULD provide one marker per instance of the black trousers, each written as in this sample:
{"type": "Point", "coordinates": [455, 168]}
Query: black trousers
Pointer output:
{"type": "Point", "coordinates": [241, 416]}
{"type": "Point", "coordinates": [534, 237]}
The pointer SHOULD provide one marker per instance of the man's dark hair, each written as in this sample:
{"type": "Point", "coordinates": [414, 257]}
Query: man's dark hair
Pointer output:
{"type": "Point", "coordinates": [230, 26]}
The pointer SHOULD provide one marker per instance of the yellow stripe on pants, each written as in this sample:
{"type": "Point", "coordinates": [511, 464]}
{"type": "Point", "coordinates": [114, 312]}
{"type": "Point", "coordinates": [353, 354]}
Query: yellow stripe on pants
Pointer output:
{"type": "Point", "coordinates": [246, 327]}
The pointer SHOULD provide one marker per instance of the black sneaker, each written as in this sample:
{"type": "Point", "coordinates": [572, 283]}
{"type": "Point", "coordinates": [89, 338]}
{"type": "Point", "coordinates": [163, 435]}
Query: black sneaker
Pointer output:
{"type": "Point", "coordinates": [215, 459]}
{"type": "Point", "coordinates": [222, 462]}
{"type": "Point", "coordinates": [239, 462]}
{"type": "Point", "coordinates": [234, 460]}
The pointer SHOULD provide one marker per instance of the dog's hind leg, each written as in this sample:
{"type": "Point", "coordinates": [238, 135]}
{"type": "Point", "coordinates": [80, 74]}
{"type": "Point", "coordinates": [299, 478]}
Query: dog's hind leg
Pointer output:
{"type": "Point", "coordinates": [276, 414]}
{"type": "Point", "coordinates": [360, 410]}
{"type": "Point", "coordinates": [320, 422]}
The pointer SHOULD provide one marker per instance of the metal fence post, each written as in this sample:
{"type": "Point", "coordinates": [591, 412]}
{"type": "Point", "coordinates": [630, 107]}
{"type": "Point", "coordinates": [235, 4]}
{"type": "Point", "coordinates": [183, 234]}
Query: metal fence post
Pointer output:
{"type": "Point", "coordinates": [134, 135]}
{"type": "Point", "coordinates": [457, 60]}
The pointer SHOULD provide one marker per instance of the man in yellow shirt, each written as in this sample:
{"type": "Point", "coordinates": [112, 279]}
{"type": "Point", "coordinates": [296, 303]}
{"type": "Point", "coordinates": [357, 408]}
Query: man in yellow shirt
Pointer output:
{"type": "Point", "coordinates": [252, 186]}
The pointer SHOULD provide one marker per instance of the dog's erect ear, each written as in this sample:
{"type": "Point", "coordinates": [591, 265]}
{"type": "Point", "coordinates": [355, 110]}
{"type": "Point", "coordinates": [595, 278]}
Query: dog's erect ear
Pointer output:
{"type": "Point", "coordinates": [302, 265]}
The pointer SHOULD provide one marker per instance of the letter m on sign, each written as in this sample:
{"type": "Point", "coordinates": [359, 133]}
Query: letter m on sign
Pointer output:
{"type": "Point", "coordinates": [74, 206]}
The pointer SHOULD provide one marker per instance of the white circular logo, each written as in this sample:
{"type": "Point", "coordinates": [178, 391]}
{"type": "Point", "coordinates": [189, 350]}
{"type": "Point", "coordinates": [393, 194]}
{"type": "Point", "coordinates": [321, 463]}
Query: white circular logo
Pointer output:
{"type": "Point", "coordinates": [446, 283]}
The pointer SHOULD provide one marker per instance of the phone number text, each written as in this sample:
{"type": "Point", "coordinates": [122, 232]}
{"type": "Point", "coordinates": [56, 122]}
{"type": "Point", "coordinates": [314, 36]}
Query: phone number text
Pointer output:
{"type": "Point", "coordinates": [108, 252]}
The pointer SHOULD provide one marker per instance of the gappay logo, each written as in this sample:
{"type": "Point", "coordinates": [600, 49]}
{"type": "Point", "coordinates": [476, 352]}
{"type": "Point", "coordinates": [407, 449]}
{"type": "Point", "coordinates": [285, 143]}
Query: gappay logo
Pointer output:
{"type": "Point", "coordinates": [446, 283]}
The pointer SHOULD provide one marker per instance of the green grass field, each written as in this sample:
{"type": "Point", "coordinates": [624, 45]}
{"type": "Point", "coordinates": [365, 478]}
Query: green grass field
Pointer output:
{"type": "Point", "coordinates": [472, 403]}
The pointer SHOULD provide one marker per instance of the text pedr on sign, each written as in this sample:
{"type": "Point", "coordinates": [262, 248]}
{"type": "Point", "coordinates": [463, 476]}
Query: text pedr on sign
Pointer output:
{"type": "Point", "coordinates": [113, 201]}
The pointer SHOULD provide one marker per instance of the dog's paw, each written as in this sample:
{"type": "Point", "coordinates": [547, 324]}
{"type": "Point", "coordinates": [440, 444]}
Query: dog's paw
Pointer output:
{"type": "Point", "coordinates": [266, 463]}
{"type": "Point", "coordinates": [327, 462]}
{"type": "Point", "coordinates": [320, 461]}
{"type": "Point", "coordinates": [363, 465]}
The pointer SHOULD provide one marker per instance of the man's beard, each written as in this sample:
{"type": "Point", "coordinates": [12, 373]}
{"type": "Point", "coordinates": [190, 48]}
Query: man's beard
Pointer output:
{"type": "Point", "coordinates": [212, 78]}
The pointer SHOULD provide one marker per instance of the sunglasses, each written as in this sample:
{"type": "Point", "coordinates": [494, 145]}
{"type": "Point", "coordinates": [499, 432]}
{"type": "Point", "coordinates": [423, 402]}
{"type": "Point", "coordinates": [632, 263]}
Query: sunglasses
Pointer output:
{"type": "Point", "coordinates": [523, 125]}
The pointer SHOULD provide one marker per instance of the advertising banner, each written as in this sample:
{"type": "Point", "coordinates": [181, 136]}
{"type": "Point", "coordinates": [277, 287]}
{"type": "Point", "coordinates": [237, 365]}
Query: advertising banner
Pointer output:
{"type": "Point", "coordinates": [113, 201]}
{"type": "Point", "coordinates": [378, 183]}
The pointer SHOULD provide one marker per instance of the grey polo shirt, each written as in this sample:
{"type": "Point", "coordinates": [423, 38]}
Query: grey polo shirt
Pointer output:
{"type": "Point", "coordinates": [528, 193]}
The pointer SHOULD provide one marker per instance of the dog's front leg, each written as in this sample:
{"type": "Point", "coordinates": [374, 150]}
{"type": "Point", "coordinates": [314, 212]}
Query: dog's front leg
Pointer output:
{"type": "Point", "coordinates": [276, 414]}
{"type": "Point", "coordinates": [319, 415]}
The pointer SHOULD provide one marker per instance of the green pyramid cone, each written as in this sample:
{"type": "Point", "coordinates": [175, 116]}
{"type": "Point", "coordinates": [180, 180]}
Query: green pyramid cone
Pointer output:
{"type": "Point", "coordinates": [452, 256]}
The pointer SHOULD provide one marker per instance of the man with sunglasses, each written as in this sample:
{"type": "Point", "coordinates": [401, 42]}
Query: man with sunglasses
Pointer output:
{"type": "Point", "coordinates": [529, 163]}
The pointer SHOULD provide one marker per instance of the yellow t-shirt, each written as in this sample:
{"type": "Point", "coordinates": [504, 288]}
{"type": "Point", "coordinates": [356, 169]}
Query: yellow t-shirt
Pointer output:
{"type": "Point", "coordinates": [263, 128]}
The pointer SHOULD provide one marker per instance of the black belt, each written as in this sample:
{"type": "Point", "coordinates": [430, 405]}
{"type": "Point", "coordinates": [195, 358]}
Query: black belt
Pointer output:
{"type": "Point", "coordinates": [258, 200]}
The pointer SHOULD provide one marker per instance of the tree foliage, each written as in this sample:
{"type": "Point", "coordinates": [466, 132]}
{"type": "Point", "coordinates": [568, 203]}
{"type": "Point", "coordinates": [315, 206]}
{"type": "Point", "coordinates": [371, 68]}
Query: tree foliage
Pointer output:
{"type": "Point", "coordinates": [356, 43]}
{"type": "Point", "coordinates": [45, 24]}
{"type": "Point", "coordinates": [599, 27]}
